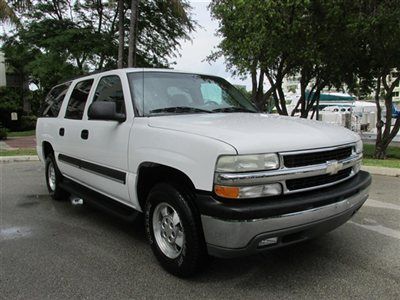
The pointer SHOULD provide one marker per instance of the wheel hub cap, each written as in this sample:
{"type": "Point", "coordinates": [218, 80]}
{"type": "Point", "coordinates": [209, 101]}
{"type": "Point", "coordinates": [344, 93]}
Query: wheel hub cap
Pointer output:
{"type": "Point", "coordinates": [168, 230]}
{"type": "Point", "coordinates": [51, 175]}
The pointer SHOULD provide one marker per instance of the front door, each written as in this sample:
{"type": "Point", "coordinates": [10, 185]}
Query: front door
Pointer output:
{"type": "Point", "coordinates": [104, 144]}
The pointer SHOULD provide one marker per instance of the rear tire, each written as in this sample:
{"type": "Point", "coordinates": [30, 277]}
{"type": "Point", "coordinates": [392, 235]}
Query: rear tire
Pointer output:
{"type": "Point", "coordinates": [174, 231]}
{"type": "Point", "coordinates": [53, 179]}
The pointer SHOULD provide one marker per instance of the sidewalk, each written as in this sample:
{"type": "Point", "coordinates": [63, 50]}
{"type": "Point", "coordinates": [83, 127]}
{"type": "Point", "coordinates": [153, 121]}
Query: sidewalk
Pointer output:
{"type": "Point", "coordinates": [19, 142]}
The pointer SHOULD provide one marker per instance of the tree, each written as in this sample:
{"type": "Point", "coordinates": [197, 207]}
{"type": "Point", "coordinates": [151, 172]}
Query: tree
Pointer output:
{"type": "Point", "coordinates": [272, 39]}
{"type": "Point", "coordinates": [132, 33]}
{"type": "Point", "coordinates": [261, 38]}
{"type": "Point", "coordinates": [69, 38]}
{"type": "Point", "coordinates": [172, 9]}
{"type": "Point", "coordinates": [121, 33]}
{"type": "Point", "coordinates": [378, 27]}
{"type": "Point", "coordinates": [8, 13]}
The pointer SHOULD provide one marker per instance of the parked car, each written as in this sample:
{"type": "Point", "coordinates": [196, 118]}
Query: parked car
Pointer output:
{"type": "Point", "coordinates": [211, 174]}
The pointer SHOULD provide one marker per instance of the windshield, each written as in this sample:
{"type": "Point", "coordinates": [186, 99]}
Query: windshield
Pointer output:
{"type": "Point", "coordinates": [157, 93]}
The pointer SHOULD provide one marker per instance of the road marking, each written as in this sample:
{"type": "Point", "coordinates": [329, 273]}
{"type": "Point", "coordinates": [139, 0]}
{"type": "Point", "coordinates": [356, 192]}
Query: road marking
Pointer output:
{"type": "Point", "coordinates": [381, 204]}
{"type": "Point", "coordinates": [379, 229]}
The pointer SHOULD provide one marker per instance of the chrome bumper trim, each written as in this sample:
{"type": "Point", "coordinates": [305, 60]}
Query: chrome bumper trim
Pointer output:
{"type": "Point", "coordinates": [238, 234]}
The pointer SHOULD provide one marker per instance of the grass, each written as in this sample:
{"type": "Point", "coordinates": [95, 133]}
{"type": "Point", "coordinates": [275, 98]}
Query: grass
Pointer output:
{"type": "Point", "coordinates": [21, 133]}
{"type": "Point", "coordinates": [386, 163]}
{"type": "Point", "coordinates": [393, 160]}
{"type": "Point", "coordinates": [392, 152]}
{"type": "Point", "coordinates": [27, 151]}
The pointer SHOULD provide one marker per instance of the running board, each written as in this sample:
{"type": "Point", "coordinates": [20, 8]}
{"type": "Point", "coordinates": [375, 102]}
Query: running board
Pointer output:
{"type": "Point", "coordinates": [100, 201]}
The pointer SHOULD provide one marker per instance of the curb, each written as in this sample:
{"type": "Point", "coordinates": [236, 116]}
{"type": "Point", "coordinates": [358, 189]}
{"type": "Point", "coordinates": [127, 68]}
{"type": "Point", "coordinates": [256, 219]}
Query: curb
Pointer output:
{"type": "Point", "coordinates": [393, 172]}
{"type": "Point", "coordinates": [18, 158]}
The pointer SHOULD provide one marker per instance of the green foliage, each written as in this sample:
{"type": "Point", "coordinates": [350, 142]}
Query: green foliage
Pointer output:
{"type": "Point", "coordinates": [21, 133]}
{"type": "Point", "coordinates": [243, 90]}
{"type": "Point", "coordinates": [393, 152]}
{"type": "Point", "coordinates": [56, 42]}
{"type": "Point", "coordinates": [3, 132]}
{"type": "Point", "coordinates": [277, 38]}
{"type": "Point", "coordinates": [28, 123]}
{"type": "Point", "coordinates": [10, 99]}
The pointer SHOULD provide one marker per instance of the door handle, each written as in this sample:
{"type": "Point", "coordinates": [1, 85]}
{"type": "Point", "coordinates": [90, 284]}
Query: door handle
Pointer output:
{"type": "Point", "coordinates": [84, 134]}
{"type": "Point", "coordinates": [61, 131]}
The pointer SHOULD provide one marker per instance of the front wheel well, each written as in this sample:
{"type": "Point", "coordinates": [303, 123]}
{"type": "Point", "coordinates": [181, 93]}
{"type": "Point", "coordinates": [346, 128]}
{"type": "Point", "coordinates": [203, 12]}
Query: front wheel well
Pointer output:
{"type": "Point", "coordinates": [150, 174]}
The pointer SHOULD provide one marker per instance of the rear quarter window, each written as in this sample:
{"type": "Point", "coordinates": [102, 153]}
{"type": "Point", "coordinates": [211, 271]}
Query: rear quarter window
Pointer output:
{"type": "Point", "coordinates": [54, 100]}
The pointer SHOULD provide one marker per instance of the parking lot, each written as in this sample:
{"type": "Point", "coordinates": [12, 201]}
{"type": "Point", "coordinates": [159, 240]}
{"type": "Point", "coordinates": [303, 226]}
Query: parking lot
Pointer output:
{"type": "Point", "coordinates": [54, 250]}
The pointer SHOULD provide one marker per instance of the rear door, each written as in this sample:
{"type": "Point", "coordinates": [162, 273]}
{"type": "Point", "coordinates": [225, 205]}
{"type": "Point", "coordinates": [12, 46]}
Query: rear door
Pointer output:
{"type": "Point", "coordinates": [103, 145]}
{"type": "Point", "coordinates": [70, 126]}
{"type": "Point", "coordinates": [49, 130]}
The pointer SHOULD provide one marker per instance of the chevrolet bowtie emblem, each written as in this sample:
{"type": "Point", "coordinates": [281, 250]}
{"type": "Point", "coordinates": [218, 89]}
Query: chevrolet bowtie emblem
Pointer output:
{"type": "Point", "coordinates": [333, 167]}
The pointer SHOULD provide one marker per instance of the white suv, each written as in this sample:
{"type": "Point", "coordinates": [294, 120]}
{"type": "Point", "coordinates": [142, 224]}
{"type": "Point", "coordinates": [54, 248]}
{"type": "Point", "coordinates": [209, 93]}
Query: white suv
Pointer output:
{"type": "Point", "coordinates": [211, 173]}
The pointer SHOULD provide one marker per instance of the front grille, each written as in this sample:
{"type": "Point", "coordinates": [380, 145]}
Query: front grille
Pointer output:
{"type": "Point", "coordinates": [308, 182]}
{"type": "Point", "coordinates": [314, 158]}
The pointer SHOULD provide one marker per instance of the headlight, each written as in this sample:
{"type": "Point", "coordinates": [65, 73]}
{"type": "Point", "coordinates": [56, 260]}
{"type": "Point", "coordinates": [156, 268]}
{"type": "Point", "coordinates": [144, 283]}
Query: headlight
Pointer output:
{"type": "Point", "coordinates": [247, 163]}
{"type": "Point", "coordinates": [359, 147]}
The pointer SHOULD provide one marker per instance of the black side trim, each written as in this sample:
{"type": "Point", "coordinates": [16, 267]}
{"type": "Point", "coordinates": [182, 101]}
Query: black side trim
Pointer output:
{"type": "Point", "coordinates": [246, 209]}
{"type": "Point", "coordinates": [100, 170]}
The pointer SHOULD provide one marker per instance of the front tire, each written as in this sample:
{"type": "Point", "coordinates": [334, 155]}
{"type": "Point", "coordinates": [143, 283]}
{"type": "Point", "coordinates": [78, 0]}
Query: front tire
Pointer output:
{"type": "Point", "coordinates": [174, 231]}
{"type": "Point", "coordinates": [53, 179]}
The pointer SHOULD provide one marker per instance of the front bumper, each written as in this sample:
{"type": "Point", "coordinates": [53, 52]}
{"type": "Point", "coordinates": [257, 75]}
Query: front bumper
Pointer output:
{"type": "Point", "coordinates": [237, 229]}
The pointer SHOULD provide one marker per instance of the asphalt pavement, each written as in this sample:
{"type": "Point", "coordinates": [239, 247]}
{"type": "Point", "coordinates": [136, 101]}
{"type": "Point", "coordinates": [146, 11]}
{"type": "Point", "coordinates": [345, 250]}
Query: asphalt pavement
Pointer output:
{"type": "Point", "coordinates": [53, 250]}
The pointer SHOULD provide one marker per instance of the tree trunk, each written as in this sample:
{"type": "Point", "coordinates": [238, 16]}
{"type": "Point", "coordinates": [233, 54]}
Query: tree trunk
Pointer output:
{"type": "Point", "coordinates": [121, 34]}
{"type": "Point", "coordinates": [385, 132]}
{"type": "Point", "coordinates": [132, 34]}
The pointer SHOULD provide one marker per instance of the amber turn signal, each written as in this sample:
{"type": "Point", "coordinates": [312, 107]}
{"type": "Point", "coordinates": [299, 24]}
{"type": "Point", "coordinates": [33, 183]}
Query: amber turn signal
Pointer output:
{"type": "Point", "coordinates": [227, 191]}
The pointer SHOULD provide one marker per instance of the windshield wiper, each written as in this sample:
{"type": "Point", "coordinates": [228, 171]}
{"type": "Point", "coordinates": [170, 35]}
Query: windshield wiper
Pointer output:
{"type": "Point", "coordinates": [178, 109]}
{"type": "Point", "coordinates": [233, 109]}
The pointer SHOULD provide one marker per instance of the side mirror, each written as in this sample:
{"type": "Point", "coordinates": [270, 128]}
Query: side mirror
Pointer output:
{"type": "Point", "coordinates": [105, 110]}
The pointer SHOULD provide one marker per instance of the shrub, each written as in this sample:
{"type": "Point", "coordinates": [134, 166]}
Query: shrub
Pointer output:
{"type": "Point", "coordinates": [28, 123]}
{"type": "Point", "coordinates": [3, 133]}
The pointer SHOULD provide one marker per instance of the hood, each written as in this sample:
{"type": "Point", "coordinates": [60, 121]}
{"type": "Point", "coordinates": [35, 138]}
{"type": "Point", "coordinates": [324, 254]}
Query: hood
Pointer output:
{"type": "Point", "coordinates": [251, 133]}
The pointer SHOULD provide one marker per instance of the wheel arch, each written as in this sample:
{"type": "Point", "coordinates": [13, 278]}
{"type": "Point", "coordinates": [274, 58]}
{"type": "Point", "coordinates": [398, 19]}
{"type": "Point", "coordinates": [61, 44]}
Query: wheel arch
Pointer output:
{"type": "Point", "coordinates": [150, 173]}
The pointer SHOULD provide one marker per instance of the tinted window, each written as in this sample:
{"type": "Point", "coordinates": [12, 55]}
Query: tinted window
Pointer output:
{"type": "Point", "coordinates": [54, 100]}
{"type": "Point", "coordinates": [78, 99]}
{"type": "Point", "coordinates": [110, 89]}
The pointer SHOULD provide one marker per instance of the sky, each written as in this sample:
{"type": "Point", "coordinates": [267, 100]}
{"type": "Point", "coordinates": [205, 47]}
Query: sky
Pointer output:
{"type": "Point", "coordinates": [204, 41]}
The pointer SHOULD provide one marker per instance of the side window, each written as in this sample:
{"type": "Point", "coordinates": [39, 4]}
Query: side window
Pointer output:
{"type": "Point", "coordinates": [77, 101]}
{"type": "Point", "coordinates": [110, 89]}
{"type": "Point", "coordinates": [54, 100]}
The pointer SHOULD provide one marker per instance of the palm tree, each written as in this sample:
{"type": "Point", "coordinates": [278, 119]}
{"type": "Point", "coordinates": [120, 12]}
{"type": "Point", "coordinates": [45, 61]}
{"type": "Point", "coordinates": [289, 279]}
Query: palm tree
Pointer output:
{"type": "Point", "coordinates": [132, 33]}
{"type": "Point", "coordinates": [121, 34]}
{"type": "Point", "coordinates": [179, 8]}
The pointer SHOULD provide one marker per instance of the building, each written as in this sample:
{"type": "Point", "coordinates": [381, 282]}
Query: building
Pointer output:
{"type": "Point", "coordinates": [2, 70]}
{"type": "Point", "coordinates": [291, 87]}
{"type": "Point", "coordinates": [396, 91]}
